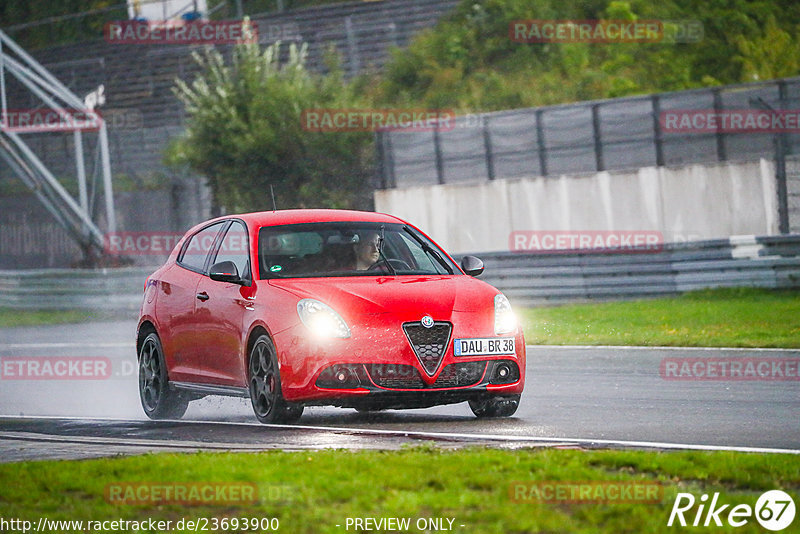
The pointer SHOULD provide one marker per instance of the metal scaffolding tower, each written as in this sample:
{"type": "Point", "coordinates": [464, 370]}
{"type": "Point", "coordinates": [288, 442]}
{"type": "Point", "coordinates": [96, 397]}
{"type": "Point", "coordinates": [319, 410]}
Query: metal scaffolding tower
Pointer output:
{"type": "Point", "coordinates": [72, 115]}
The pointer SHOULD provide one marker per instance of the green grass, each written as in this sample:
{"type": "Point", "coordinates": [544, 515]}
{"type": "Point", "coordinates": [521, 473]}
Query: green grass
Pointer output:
{"type": "Point", "coordinates": [739, 317]}
{"type": "Point", "coordinates": [10, 317]}
{"type": "Point", "coordinates": [312, 492]}
{"type": "Point", "coordinates": [712, 318]}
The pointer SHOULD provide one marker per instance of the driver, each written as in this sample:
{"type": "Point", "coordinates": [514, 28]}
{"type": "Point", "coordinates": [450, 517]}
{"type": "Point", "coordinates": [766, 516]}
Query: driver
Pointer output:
{"type": "Point", "coordinates": [367, 250]}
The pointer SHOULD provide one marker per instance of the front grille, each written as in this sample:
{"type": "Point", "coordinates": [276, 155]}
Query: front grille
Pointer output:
{"type": "Point", "coordinates": [429, 344]}
{"type": "Point", "coordinates": [393, 376]}
{"type": "Point", "coordinates": [460, 374]}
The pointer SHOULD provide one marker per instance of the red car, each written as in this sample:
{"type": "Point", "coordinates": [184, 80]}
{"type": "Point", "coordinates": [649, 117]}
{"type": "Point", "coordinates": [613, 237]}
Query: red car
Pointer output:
{"type": "Point", "coordinates": [324, 307]}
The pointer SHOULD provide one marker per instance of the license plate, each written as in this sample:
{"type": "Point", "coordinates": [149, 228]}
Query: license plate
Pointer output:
{"type": "Point", "coordinates": [486, 345]}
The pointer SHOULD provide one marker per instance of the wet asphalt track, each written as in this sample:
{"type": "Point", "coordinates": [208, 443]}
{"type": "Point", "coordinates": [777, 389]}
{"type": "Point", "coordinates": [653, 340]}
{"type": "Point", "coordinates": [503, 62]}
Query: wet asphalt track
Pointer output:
{"type": "Point", "coordinates": [574, 396]}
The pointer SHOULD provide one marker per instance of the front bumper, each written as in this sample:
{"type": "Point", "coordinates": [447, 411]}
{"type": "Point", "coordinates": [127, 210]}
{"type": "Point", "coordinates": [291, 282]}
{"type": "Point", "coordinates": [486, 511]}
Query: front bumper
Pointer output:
{"type": "Point", "coordinates": [365, 389]}
{"type": "Point", "coordinates": [389, 400]}
{"type": "Point", "coordinates": [303, 360]}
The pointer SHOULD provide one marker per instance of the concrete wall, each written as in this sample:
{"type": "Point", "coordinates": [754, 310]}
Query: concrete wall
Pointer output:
{"type": "Point", "coordinates": [683, 203]}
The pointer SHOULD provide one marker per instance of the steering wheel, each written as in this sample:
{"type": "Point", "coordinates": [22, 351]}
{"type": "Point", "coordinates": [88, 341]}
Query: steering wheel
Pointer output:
{"type": "Point", "coordinates": [397, 265]}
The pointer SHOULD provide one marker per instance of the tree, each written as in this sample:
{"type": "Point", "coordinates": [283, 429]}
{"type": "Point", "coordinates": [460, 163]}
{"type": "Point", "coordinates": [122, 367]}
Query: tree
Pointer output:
{"type": "Point", "coordinates": [468, 62]}
{"type": "Point", "coordinates": [244, 133]}
{"type": "Point", "coordinates": [47, 23]}
{"type": "Point", "coordinates": [775, 54]}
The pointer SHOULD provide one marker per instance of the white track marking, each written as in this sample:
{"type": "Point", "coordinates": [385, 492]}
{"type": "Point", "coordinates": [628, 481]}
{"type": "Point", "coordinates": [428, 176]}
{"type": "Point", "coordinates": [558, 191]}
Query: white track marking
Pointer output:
{"type": "Point", "coordinates": [97, 440]}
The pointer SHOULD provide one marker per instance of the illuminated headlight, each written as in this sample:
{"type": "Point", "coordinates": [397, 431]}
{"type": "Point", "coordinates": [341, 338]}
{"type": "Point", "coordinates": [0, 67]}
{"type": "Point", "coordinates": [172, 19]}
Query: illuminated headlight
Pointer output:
{"type": "Point", "coordinates": [505, 322]}
{"type": "Point", "coordinates": [321, 319]}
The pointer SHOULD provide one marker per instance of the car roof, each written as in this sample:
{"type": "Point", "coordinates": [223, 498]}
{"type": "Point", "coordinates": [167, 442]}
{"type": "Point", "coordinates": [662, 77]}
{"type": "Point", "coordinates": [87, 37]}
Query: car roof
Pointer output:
{"type": "Point", "coordinates": [296, 216]}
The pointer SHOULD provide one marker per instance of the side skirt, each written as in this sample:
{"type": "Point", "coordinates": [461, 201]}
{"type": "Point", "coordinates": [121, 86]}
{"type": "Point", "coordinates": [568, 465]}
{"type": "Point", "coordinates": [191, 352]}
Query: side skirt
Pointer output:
{"type": "Point", "coordinates": [208, 389]}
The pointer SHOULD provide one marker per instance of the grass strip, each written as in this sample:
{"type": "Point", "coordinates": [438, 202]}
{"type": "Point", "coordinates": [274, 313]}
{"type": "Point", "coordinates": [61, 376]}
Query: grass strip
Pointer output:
{"type": "Point", "coordinates": [11, 317]}
{"type": "Point", "coordinates": [313, 492]}
{"type": "Point", "coordinates": [739, 317]}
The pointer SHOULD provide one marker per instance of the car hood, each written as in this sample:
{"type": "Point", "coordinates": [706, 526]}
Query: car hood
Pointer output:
{"type": "Point", "coordinates": [406, 297]}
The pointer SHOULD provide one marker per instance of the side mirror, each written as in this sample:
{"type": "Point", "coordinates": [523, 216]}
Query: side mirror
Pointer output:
{"type": "Point", "coordinates": [225, 271]}
{"type": "Point", "coordinates": [471, 265]}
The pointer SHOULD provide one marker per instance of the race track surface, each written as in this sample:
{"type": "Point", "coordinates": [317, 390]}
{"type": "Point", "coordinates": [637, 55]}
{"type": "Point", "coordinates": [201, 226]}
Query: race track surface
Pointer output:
{"type": "Point", "coordinates": [575, 396]}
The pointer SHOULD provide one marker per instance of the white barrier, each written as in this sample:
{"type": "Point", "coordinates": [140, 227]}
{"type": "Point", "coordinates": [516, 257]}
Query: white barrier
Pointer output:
{"type": "Point", "coordinates": [683, 203]}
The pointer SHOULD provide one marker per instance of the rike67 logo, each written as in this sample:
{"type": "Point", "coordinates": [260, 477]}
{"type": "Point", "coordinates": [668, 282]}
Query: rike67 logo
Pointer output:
{"type": "Point", "coordinates": [774, 511]}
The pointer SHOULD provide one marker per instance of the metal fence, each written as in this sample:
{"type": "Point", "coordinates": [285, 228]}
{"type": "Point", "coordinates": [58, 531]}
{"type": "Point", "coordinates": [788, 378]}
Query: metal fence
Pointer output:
{"type": "Point", "coordinates": [622, 133]}
{"type": "Point", "coordinates": [31, 238]}
{"type": "Point", "coordinates": [137, 153]}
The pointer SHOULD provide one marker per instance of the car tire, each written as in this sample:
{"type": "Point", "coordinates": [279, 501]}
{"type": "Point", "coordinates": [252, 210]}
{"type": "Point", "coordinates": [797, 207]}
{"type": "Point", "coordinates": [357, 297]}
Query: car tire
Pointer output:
{"type": "Point", "coordinates": [159, 400]}
{"type": "Point", "coordinates": [495, 406]}
{"type": "Point", "coordinates": [264, 381]}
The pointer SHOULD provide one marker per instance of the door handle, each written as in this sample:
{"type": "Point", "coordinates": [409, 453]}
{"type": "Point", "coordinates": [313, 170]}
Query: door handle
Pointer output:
{"type": "Point", "coordinates": [203, 296]}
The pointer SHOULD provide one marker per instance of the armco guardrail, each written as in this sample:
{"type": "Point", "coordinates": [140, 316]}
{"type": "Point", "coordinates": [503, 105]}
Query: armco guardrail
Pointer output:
{"type": "Point", "coordinates": [530, 279]}
{"type": "Point", "coordinates": [527, 279]}
{"type": "Point", "coordinates": [103, 290]}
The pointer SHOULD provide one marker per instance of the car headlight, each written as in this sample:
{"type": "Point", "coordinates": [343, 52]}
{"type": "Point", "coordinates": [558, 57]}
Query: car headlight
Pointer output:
{"type": "Point", "coordinates": [505, 322]}
{"type": "Point", "coordinates": [321, 319]}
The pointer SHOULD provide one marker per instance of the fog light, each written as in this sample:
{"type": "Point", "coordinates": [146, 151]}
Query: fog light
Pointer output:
{"type": "Point", "coordinates": [505, 372]}
{"type": "Point", "coordinates": [342, 376]}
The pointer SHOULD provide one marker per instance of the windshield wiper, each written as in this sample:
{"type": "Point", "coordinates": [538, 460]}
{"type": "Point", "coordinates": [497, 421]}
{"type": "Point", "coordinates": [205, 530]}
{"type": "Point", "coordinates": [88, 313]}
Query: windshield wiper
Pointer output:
{"type": "Point", "coordinates": [429, 249]}
{"type": "Point", "coordinates": [381, 254]}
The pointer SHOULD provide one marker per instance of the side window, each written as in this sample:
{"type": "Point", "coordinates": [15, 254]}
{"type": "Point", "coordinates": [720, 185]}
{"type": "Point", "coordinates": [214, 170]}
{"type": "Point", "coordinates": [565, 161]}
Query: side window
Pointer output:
{"type": "Point", "coordinates": [235, 247]}
{"type": "Point", "coordinates": [193, 255]}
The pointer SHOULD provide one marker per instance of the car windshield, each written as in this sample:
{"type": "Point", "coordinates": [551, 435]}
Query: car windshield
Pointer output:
{"type": "Point", "coordinates": [348, 249]}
